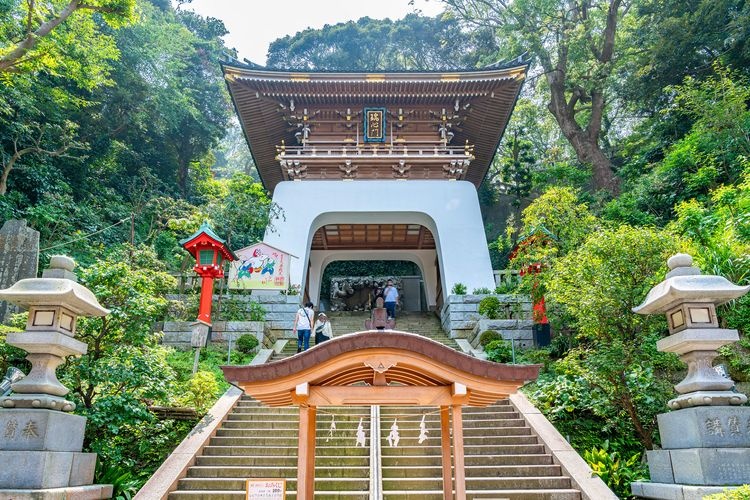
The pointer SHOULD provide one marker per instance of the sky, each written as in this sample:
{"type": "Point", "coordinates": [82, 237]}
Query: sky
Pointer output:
{"type": "Point", "coordinates": [254, 24]}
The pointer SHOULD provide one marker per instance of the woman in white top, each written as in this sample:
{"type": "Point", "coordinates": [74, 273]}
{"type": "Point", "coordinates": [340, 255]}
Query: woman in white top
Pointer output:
{"type": "Point", "coordinates": [303, 325]}
{"type": "Point", "coordinates": [323, 330]}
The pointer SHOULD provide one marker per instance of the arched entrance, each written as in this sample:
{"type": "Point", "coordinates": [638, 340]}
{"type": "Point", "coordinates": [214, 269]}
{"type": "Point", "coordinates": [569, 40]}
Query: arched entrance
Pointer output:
{"type": "Point", "coordinates": [374, 242]}
{"type": "Point", "coordinates": [371, 368]}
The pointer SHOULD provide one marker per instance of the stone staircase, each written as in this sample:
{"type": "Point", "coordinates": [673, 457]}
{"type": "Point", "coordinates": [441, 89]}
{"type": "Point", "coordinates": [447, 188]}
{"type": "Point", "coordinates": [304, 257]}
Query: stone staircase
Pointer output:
{"type": "Point", "coordinates": [425, 324]}
{"type": "Point", "coordinates": [502, 457]}
{"type": "Point", "coordinates": [259, 442]}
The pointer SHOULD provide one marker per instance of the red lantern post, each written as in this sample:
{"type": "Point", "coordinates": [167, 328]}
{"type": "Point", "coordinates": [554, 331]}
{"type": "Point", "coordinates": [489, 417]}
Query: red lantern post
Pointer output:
{"type": "Point", "coordinates": [209, 252]}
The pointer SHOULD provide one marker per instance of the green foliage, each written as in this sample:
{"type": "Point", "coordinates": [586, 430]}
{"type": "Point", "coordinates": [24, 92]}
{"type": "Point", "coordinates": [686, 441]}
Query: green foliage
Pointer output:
{"type": "Point", "coordinates": [740, 493]}
{"type": "Point", "coordinates": [202, 389]}
{"type": "Point", "coordinates": [542, 356]}
{"type": "Point", "coordinates": [125, 368]}
{"type": "Point", "coordinates": [9, 355]}
{"type": "Point", "coordinates": [488, 336]}
{"type": "Point", "coordinates": [597, 285]}
{"type": "Point", "coordinates": [125, 483]}
{"type": "Point", "coordinates": [481, 291]}
{"type": "Point", "coordinates": [615, 471]}
{"type": "Point", "coordinates": [499, 351]}
{"type": "Point", "coordinates": [489, 307]}
{"type": "Point", "coordinates": [413, 43]}
{"type": "Point", "coordinates": [458, 289]}
{"type": "Point", "coordinates": [247, 343]}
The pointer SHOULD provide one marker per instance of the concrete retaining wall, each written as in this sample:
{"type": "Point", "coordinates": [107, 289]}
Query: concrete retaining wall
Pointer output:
{"type": "Point", "coordinates": [460, 316]}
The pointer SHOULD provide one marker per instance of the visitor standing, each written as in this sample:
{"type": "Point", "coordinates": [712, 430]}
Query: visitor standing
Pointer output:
{"type": "Point", "coordinates": [303, 326]}
{"type": "Point", "coordinates": [390, 294]}
{"type": "Point", "coordinates": [323, 330]}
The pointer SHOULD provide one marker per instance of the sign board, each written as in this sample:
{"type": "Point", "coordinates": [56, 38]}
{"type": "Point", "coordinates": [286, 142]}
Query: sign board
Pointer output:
{"type": "Point", "coordinates": [260, 267]}
{"type": "Point", "coordinates": [266, 489]}
{"type": "Point", "coordinates": [374, 124]}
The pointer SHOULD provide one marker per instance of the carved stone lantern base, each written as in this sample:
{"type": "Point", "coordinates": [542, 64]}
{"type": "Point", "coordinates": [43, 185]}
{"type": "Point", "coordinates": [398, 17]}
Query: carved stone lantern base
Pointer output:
{"type": "Point", "coordinates": [703, 446]}
{"type": "Point", "coordinates": [40, 456]}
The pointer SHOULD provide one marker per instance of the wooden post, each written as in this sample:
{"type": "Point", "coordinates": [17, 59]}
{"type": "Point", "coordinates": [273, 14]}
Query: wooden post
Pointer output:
{"type": "Point", "coordinates": [306, 453]}
{"type": "Point", "coordinates": [458, 452]}
{"type": "Point", "coordinates": [445, 441]}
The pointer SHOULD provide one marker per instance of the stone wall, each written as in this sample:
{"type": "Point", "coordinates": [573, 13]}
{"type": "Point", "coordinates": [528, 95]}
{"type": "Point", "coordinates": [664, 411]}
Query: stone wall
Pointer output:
{"type": "Point", "coordinates": [19, 258]}
{"type": "Point", "coordinates": [461, 319]}
{"type": "Point", "coordinates": [178, 333]}
{"type": "Point", "coordinates": [280, 310]}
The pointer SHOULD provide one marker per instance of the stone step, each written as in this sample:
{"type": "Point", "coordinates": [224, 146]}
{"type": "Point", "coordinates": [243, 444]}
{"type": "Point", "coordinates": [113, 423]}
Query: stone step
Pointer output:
{"type": "Point", "coordinates": [473, 471]}
{"type": "Point", "coordinates": [322, 472]}
{"type": "Point", "coordinates": [284, 450]}
{"type": "Point", "coordinates": [238, 484]}
{"type": "Point", "coordinates": [240, 495]}
{"type": "Point", "coordinates": [279, 460]}
{"type": "Point", "coordinates": [478, 483]}
{"type": "Point", "coordinates": [433, 440]}
{"type": "Point", "coordinates": [343, 442]}
{"type": "Point", "coordinates": [469, 460]}
{"type": "Point", "coordinates": [509, 494]}
{"type": "Point", "coordinates": [512, 449]}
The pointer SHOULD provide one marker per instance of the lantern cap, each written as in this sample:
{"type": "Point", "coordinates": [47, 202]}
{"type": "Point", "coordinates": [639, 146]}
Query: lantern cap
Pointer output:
{"type": "Point", "coordinates": [685, 283]}
{"type": "Point", "coordinates": [207, 234]}
{"type": "Point", "coordinates": [204, 229]}
{"type": "Point", "coordinates": [55, 288]}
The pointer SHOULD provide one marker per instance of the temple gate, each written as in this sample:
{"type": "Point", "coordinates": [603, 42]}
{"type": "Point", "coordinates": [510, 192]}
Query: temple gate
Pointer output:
{"type": "Point", "coordinates": [379, 166]}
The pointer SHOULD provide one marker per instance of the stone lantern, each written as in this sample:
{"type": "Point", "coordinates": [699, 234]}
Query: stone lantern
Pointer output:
{"type": "Point", "coordinates": [706, 440]}
{"type": "Point", "coordinates": [40, 455]}
{"type": "Point", "coordinates": [209, 252]}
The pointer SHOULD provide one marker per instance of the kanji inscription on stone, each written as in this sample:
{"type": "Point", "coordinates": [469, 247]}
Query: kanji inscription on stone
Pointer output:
{"type": "Point", "coordinates": [10, 429]}
{"type": "Point", "coordinates": [30, 430]}
{"type": "Point", "coordinates": [714, 427]}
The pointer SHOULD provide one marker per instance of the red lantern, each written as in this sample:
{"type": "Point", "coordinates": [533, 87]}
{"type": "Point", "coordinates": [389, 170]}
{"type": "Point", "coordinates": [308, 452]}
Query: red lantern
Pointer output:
{"type": "Point", "coordinates": [209, 252]}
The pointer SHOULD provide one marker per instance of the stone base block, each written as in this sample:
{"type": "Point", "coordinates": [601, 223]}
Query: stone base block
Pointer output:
{"type": "Point", "coordinates": [673, 491]}
{"type": "Point", "coordinates": [41, 430]}
{"type": "Point", "coordinates": [701, 466]}
{"type": "Point", "coordinates": [91, 492]}
{"type": "Point", "coordinates": [45, 469]}
{"type": "Point", "coordinates": [705, 427]}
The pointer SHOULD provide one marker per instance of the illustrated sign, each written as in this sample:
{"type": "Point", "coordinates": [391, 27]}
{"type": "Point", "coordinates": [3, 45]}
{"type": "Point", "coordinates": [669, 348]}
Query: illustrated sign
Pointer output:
{"type": "Point", "coordinates": [259, 267]}
{"type": "Point", "coordinates": [374, 124]}
{"type": "Point", "coordinates": [266, 489]}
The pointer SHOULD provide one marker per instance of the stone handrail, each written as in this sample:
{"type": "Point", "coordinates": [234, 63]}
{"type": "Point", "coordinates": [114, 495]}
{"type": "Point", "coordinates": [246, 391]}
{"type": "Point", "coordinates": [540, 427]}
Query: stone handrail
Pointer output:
{"type": "Point", "coordinates": [176, 465]}
{"type": "Point", "coordinates": [590, 486]}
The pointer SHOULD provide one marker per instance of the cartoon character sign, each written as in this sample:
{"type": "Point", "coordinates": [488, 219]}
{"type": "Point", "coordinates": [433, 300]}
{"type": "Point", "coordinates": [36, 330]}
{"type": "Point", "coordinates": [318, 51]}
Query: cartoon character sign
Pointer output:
{"type": "Point", "coordinates": [260, 267]}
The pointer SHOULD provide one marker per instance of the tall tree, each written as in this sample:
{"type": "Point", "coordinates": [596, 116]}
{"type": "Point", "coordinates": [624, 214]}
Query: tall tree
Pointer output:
{"type": "Point", "coordinates": [54, 34]}
{"type": "Point", "coordinates": [412, 43]}
{"type": "Point", "coordinates": [577, 44]}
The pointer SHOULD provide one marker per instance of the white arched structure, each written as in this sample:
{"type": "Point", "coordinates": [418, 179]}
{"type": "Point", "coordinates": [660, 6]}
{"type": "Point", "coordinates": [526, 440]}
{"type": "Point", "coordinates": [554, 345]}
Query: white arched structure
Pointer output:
{"type": "Point", "coordinates": [449, 209]}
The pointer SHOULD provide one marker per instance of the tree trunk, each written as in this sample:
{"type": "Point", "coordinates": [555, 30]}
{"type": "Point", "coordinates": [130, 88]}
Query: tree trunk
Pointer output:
{"type": "Point", "coordinates": [585, 143]}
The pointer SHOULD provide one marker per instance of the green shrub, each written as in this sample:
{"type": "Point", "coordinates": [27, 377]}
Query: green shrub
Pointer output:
{"type": "Point", "coordinates": [256, 312]}
{"type": "Point", "coordinates": [458, 289]}
{"type": "Point", "coordinates": [613, 470]}
{"type": "Point", "coordinates": [201, 390]}
{"type": "Point", "coordinates": [489, 307]}
{"type": "Point", "coordinates": [506, 287]}
{"type": "Point", "coordinates": [741, 493]}
{"type": "Point", "coordinates": [499, 351]}
{"type": "Point", "coordinates": [488, 336]}
{"type": "Point", "coordinates": [124, 483]}
{"type": "Point", "coordinates": [247, 343]}
{"type": "Point", "coordinates": [541, 356]}
{"type": "Point", "coordinates": [482, 291]}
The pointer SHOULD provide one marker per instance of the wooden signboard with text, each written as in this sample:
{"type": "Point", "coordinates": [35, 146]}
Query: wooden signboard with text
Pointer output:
{"type": "Point", "coordinates": [266, 489]}
{"type": "Point", "coordinates": [374, 124]}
